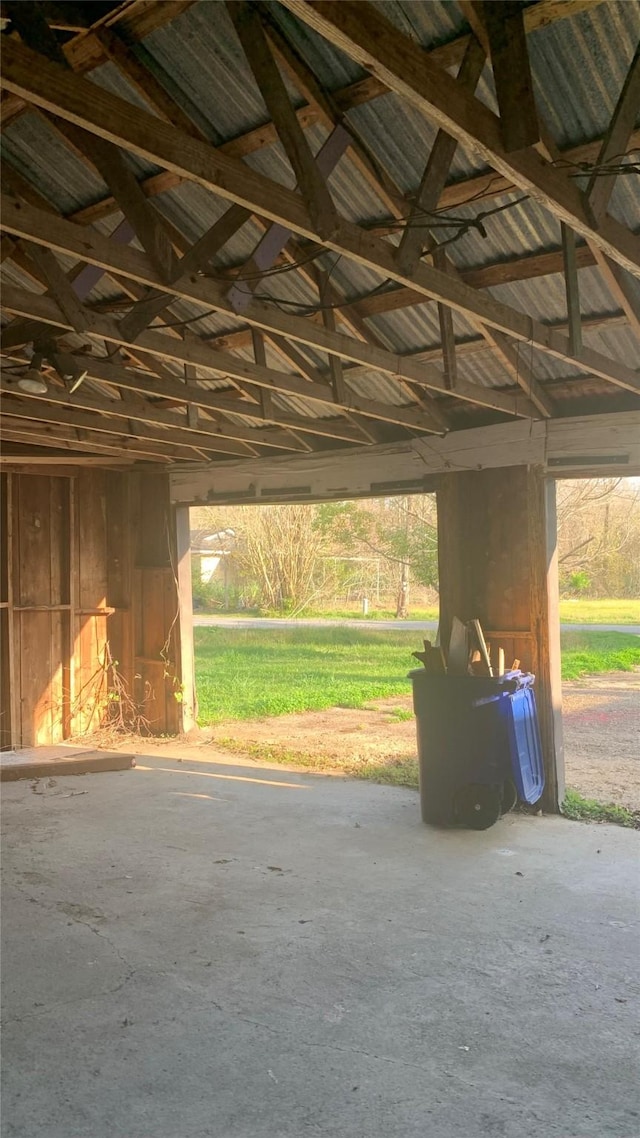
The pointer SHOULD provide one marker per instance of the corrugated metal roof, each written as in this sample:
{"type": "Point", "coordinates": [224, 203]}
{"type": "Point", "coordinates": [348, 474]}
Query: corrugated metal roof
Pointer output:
{"type": "Point", "coordinates": [579, 65]}
{"type": "Point", "coordinates": [41, 155]}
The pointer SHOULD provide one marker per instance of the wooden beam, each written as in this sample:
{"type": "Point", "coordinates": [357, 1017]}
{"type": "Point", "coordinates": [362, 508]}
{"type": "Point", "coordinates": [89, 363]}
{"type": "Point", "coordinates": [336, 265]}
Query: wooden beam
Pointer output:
{"type": "Point", "coordinates": [197, 257]}
{"type": "Point", "coordinates": [368, 38]}
{"type": "Point", "coordinates": [276, 201]}
{"type": "Point", "coordinates": [250, 32]}
{"type": "Point", "coordinates": [334, 121]}
{"type": "Point", "coordinates": [456, 193]}
{"type": "Point", "coordinates": [60, 286]}
{"type": "Point", "coordinates": [139, 382]}
{"type": "Point", "coordinates": [27, 220]}
{"type": "Point", "coordinates": [55, 420]}
{"type": "Point", "coordinates": [193, 351]}
{"type": "Point", "coordinates": [328, 114]}
{"type": "Point", "coordinates": [47, 230]}
{"type": "Point", "coordinates": [187, 665]}
{"type": "Point", "coordinates": [203, 437]}
{"type": "Point", "coordinates": [572, 289]}
{"type": "Point", "coordinates": [145, 221]}
{"type": "Point", "coordinates": [197, 352]}
{"type": "Point", "coordinates": [523, 268]}
{"type": "Point", "coordinates": [145, 83]}
{"type": "Point", "coordinates": [391, 468]}
{"type": "Point", "coordinates": [43, 434]}
{"type": "Point", "coordinates": [437, 169]}
{"type": "Point", "coordinates": [621, 288]}
{"type": "Point", "coordinates": [276, 237]}
{"type": "Point", "coordinates": [506, 43]}
{"type": "Point", "coordinates": [616, 141]}
{"type": "Point", "coordinates": [260, 358]}
{"type": "Point", "coordinates": [85, 53]}
{"type": "Point", "coordinates": [447, 337]}
{"type": "Point", "coordinates": [29, 19]}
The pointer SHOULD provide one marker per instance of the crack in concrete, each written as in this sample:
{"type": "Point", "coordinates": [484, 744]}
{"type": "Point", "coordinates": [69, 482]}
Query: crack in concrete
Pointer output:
{"type": "Point", "coordinates": [131, 970]}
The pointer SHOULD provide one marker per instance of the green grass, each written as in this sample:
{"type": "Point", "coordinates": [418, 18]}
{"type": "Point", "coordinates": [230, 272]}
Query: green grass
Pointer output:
{"type": "Point", "coordinates": [242, 675]}
{"type": "Point", "coordinates": [429, 613]}
{"type": "Point", "coordinates": [589, 653]}
{"type": "Point", "coordinates": [246, 674]}
{"type": "Point", "coordinates": [589, 810]}
{"type": "Point", "coordinates": [598, 611]}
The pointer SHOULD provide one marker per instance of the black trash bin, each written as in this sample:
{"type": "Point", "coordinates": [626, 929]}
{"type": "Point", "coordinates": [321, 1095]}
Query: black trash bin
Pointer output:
{"type": "Point", "coordinates": [478, 746]}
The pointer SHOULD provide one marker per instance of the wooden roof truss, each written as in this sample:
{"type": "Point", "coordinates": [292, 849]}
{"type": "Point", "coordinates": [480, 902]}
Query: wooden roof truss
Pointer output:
{"type": "Point", "coordinates": [129, 377]}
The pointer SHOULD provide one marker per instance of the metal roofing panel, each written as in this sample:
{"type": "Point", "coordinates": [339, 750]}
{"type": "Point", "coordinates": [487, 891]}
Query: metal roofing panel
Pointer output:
{"type": "Point", "coordinates": [202, 54]}
{"type": "Point", "coordinates": [38, 152]}
{"type": "Point", "coordinates": [579, 66]}
{"type": "Point", "coordinates": [544, 298]}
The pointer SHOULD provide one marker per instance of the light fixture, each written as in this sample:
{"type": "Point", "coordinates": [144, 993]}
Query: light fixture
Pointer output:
{"type": "Point", "coordinates": [32, 382]}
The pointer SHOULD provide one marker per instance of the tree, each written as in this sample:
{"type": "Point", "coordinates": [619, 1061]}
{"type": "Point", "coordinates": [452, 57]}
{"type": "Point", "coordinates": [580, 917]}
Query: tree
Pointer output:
{"type": "Point", "coordinates": [401, 531]}
{"type": "Point", "coordinates": [277, 550]}
{"type": "Point", "coordinates": [599, 536]}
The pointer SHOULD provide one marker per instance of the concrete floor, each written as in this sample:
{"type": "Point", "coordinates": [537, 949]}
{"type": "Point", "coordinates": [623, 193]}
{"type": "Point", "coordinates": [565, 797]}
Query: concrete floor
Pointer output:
{"type": "Point", "coordinates": [201, 950]}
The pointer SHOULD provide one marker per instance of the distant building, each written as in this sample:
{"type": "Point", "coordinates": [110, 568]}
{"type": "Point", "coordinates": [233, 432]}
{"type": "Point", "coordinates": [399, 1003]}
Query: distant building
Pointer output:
{"type": "Point", "coordinates": [211, 549]}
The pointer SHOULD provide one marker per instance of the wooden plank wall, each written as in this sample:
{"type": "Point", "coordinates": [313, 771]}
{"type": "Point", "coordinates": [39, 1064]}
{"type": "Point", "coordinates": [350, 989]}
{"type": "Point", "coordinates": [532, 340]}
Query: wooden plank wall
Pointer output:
{"type": "Point", "coordinates": [496, 546]}
{"type": "Point", "coordinates": [86, 574]}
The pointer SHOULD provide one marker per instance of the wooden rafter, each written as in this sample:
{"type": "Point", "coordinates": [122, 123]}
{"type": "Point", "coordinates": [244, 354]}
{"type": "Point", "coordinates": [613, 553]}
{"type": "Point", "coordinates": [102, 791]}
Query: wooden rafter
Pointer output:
{"type": "Point", "coordinates": [372, 41]}
{"type": "Point", "coordinates": [173, 392]}
{"type": "Point", "coordinates": [204, 436]}
{"type": "Point", "coordinates": [493, 332]}
{"type": "Point", "coordinates": [312, 185]}
{"type": "Point", "coordinates": [196, 258]}
{"type": "Point", "coordinates": [32, 408]}
{"type": "Point", "coordinates": [41, 433]}
{"type": "Point", "coordinates": [193, 351]}
{"type": "Point", "coordinates": [437, 169]}
{"type": "Point", "coordinates": [258, 193]}
{"type": "Point", "coordinates": [600, 188]}
{"type": "Point", "coordinates": [616, 140]}
{"type": "Point", "coordinates": [572, 289]}
{"type": "Point", "coordinates": [29, 20]}
{"type": "Point", "coordinates": [28, 222]}
{"type": "Point", "coordinates": [86, 52]}
{"type": "Point", "coordinates": [500, 27]}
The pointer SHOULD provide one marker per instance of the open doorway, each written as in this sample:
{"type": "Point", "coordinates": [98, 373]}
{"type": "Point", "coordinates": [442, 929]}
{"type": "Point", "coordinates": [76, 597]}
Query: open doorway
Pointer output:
{"type": "Point", "coordinates": [307, 616]}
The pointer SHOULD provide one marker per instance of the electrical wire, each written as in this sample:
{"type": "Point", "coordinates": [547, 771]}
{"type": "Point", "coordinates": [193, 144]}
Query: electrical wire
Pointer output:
{"type": "Point", "coordinates": [418, 219]}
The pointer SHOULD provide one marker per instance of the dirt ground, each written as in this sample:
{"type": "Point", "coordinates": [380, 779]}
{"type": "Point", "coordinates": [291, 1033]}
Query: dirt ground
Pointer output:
{"type": "Point", "coordinates": [601, 716]}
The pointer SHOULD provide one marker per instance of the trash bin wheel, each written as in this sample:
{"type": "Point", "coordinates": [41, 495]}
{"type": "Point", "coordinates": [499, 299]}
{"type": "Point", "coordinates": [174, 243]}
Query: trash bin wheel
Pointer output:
{"type": "Point", "coordinates": [509, 795]}
{"type": "Point", "coordinates": [478, 806]}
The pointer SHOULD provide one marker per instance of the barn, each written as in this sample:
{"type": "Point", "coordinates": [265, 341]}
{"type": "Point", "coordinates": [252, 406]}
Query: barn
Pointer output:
{"type": "Point", "coordinates": [304, 251]}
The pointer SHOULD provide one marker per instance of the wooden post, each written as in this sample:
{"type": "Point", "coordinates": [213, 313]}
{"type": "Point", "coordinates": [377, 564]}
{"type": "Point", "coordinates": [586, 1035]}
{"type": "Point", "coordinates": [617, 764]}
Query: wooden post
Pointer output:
{"type": "Point", "coordinates": [188, 705]}
{"type": "Point", "coordinates": [498, 562]}
{"type": "Point", "coordinates": [545, 604]}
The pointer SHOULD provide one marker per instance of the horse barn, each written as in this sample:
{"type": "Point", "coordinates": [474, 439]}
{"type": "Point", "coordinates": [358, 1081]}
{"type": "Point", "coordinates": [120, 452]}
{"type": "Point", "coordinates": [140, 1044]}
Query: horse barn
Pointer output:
{"type": "Point", "coordinates": [304, 251]}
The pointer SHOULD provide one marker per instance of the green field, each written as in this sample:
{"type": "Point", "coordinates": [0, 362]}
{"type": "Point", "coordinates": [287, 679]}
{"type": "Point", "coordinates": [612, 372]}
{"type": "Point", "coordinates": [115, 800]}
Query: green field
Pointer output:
{"type": "Point", "coordinates": [597, 611]}
{"type": "Point", "coordinates": [244, 674]}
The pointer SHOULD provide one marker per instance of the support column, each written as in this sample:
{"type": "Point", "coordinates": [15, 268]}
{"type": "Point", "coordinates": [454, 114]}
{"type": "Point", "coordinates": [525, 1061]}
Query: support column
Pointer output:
{"type": "Point", "coordinates": [498, 562]}
{"type": "Point", "coordinates": [189, 707]}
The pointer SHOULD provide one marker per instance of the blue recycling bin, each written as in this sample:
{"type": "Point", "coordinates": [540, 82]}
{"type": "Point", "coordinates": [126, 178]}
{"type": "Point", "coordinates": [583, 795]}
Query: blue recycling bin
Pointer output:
{"type": "Point", "coordinates": [478, 746]}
